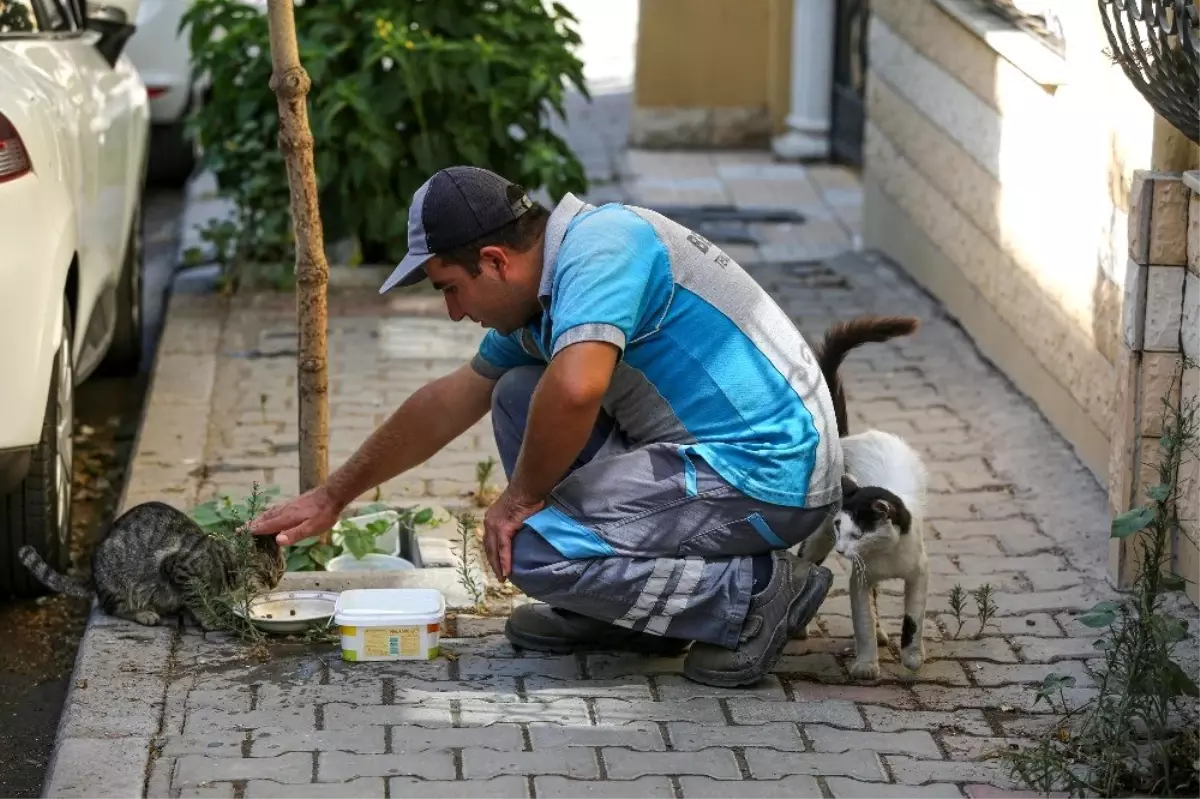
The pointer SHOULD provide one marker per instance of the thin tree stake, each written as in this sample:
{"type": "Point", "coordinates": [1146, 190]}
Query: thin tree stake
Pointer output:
{"type": "Point", "coordinates": [291, 83]}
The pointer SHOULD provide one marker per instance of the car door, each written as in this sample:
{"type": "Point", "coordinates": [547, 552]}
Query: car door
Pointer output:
{"type": "Point", "coordinates": [101, 123]}
{"type": "Point", "coordinates": [113, 104]}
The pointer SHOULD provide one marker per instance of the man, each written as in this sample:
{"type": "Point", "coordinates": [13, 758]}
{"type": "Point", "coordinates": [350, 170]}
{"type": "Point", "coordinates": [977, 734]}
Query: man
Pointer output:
{"type": "Point", "coordinates": [664, 428]}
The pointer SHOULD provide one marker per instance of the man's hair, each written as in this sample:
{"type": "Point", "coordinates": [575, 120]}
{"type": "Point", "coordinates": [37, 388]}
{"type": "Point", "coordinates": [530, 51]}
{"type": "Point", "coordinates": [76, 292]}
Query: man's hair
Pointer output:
{"type": "Point", "coordinates": [521, 235]}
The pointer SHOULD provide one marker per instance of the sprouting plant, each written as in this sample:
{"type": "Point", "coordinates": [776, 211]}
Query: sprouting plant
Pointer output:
{"type": "Point", "coordinates": [483, 473]}
{"type": "Point", "coordinates": [229, 608]}
{"type": "Point", "coordinates": [958, 602]}
{"type": "Point", "coordinates": [466, 560]}
{"type": "Point", "coordinates": [985, 605]}
{"type": "Point", "coordinates": [1139, 733]}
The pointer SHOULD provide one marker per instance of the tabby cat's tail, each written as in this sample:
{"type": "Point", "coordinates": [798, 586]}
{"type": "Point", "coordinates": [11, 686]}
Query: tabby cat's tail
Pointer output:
{"type": "Point", "coordinates": [845, 336]}
{"type": "Point", "coordinates": [48, 577]}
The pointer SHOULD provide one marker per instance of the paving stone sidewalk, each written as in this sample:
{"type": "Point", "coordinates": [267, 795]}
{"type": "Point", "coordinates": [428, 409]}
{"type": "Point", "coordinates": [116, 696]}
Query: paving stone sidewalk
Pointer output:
{"type": "Point", "coordinates": [168, 712]}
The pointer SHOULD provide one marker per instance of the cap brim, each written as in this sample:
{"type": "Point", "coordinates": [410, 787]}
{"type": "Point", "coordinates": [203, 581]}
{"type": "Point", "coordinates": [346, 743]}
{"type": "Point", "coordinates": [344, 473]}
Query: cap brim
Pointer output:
{"type": "Point", "coordinates": [408, 272]}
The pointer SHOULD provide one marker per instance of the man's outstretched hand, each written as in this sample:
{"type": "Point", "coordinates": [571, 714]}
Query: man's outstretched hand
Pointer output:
{"type": "Point", "coordinates": [309, 514]}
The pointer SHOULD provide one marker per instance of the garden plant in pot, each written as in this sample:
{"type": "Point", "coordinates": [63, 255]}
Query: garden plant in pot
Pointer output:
{"type": "Point", "coordinates": [367, 541]}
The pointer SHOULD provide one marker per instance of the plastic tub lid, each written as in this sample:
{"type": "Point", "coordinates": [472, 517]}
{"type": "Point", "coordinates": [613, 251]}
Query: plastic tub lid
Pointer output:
{"type": "Point", "coordinates": [365, 606]}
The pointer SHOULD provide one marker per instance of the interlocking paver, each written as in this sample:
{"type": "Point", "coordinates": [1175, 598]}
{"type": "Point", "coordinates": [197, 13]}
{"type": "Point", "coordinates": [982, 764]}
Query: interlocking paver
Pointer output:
{"type": "Point", "coordinates": [791, 787]}
{"type": "Point", "coordinates": [842, 787]}
{"type": "Point", "coordinates": [484, 763]}
{"type": "Point", "coordinates": [551, 787]}
{"type": "Point", "coordinates": [495, 788]}
{"type": "Point", "coordinates": [837, 712]}
{"type": "Point", "coordinates": [887, 720]}
{"type": "Point", "coordinates": [643, 736]}
{"type": "Point", "coordinates": [712, 762]}
{"type": "Point", "coordinates": [909, 742]}
{"type": "Point", "coordinates": [358, 788]}
{"type": "Point", "coordinates": [769, 764]}
{"type": "Point", "coordinates": [686, 737]}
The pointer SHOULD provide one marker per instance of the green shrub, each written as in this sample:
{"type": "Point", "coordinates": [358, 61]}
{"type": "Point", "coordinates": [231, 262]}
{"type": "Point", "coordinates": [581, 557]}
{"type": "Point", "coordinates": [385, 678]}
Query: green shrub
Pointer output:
{"type": "Point", "coordinates": [400, 89]}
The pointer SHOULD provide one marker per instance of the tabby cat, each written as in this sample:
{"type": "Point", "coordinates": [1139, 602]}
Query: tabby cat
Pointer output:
{"type": "Point", "coordinates": [152, 551]}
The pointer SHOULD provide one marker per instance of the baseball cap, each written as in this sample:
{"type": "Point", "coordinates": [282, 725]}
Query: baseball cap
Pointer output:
{"type": "Point", "coordinates": [454, 207]}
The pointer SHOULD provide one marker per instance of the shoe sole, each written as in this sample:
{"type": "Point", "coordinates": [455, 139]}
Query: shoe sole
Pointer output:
{"type": "Point", "coordinates": [560, 646]}
{"type": "Point", "coordinates": [814, 594]}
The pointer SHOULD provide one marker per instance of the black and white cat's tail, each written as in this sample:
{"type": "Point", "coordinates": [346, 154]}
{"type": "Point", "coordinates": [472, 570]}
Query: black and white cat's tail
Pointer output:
{"type": "Point", "coordinates": [842, 337]}
{"type": "Point", "coordinates": [48, 577]}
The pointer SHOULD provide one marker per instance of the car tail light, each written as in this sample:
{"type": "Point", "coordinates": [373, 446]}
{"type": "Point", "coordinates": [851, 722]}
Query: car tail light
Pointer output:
{"type": "Point", "coordinates": [14, 161]}
{"type": "Point", "coordinates": [155, 91]}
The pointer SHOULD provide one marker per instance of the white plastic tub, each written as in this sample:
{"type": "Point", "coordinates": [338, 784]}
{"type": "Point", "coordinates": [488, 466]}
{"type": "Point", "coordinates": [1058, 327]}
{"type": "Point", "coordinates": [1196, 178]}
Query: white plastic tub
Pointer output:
{"type": "Point", "coordinates": [390, 623]}
{"type": "Point", "coordinates": [371, 562]}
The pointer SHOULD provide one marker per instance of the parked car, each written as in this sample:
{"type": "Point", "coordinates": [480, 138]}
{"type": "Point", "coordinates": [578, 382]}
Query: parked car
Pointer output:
{"type": "Point", "coordinates": [74, 131]}
{"type": "Point", "coordinates": [162, 54]}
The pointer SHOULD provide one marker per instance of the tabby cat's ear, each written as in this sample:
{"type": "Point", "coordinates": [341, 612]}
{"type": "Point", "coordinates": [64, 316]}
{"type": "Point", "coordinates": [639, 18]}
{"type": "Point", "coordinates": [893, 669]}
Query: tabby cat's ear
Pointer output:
{"type": "Point", "coordinates": [882, 507]}
{"type": "Point", "coordinates": [848, 483]}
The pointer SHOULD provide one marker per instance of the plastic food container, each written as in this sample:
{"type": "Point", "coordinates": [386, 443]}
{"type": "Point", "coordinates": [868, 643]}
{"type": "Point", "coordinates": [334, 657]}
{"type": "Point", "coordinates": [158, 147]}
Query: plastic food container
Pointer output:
{"type": "Point", "coordinates": [390, 623]}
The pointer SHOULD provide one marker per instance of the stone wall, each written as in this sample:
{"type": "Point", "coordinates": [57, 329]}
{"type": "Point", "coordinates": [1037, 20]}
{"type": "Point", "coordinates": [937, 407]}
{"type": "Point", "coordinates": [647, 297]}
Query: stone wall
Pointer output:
{"type": "Point", "coordinates": [1158, 359]}
{"type": "Point", "coordinates": [998, 175]}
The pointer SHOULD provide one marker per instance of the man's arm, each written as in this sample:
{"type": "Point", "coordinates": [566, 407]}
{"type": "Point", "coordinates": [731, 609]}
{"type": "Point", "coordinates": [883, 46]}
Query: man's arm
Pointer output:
{"type": "Point", "coordinates": [562, 414]}
{"type": "Point", "coordinates": [427, 421]}
{"type": "Point", "coordinates": [430, 419]}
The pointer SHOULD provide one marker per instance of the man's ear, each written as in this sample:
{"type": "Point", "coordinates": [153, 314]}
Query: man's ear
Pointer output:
{"type": "Point", "coordinates": [494, 258]}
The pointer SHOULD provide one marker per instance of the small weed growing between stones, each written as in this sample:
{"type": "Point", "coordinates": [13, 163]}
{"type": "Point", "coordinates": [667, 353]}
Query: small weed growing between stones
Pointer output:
{"type": "Point", "coordinates": [484, 494]}
{"type": "Point", "coordinates": [986, 607]}
{"type": "Point", "coordinates": [228, 522]}
{"type": "Point", "coordinates": [958, 602]}
{"type": "Point", "coordinates": [468, 539]}
{"type": "Point", "coordinates": [1138, 735]}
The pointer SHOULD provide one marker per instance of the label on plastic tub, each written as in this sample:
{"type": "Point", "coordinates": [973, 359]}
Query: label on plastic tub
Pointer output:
{"type": "Point", "coordinates": [382, 642]}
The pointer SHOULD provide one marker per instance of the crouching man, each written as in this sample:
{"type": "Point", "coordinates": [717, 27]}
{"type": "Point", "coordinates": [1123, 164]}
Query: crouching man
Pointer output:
{"type": "Point", "coordinates": [664, 428]}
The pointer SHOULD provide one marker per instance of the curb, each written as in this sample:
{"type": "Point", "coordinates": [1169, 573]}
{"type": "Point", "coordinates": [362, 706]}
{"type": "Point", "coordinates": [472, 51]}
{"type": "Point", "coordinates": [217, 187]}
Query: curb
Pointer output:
{"type": "Point", "coordinates": [115, 702]}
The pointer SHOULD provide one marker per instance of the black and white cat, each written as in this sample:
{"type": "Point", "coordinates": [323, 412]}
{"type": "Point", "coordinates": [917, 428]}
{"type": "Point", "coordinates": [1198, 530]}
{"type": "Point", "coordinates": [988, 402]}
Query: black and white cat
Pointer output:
{"type": "Point", "coordinates": [879, 530]}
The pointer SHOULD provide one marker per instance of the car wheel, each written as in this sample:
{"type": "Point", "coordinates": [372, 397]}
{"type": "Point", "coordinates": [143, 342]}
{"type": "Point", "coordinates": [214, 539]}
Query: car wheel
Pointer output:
{"type": "Point", "coordinates": [172, 155]}
{"type": "Point", "coordinates": [124, 356]}
{"type": "Point", "coordinates": [38, 511]}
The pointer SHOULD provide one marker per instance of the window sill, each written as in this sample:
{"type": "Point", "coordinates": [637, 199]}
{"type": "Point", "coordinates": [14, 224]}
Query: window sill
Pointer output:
{"type": "Point", "coordinates": [1020, 48]}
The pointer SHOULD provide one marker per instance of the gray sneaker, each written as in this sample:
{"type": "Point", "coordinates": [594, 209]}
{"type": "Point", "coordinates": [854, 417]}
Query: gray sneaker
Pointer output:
{"type": "Point", "coordinates": [547, 629]}
{"type": "Point", "coordinates": [788, 602]}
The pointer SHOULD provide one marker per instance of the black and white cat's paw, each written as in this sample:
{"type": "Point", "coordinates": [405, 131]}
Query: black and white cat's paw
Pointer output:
{"type": "Point", "coordinates": [865, 670]}
{"type": "Point", "coordinates": [912, 658]}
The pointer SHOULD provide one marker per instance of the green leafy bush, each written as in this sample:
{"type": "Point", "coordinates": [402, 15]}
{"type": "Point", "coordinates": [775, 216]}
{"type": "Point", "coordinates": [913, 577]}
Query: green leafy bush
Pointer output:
{"type": "Point", "coordinates": [400, 89]}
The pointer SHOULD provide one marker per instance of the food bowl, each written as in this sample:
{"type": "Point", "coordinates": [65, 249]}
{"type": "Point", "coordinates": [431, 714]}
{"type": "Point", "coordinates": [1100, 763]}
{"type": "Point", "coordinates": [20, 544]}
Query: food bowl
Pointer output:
{"type": "Point", "coordinates": [291, 611]}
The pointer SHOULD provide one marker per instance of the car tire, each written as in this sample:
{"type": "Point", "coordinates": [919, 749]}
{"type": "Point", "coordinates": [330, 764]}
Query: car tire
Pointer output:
{"type": "Point", "coordinates": [38, 511]}
{"type": "Point", "coordinates": [124, 356]}
{"type": "Point", "coordinates": [172, 155]}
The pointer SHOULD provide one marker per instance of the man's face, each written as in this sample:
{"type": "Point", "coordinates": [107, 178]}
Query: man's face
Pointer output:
{"type": "Point", "coordinates": [501, 296]}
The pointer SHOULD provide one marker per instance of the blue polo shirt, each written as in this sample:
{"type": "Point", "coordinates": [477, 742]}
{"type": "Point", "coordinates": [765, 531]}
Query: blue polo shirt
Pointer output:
{"type": "Point", "coordinates": [708, 360]}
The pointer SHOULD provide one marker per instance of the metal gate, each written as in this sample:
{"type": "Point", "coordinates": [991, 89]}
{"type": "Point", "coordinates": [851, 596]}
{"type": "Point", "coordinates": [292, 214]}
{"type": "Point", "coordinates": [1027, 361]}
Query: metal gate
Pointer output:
{"type": "Point", "coordinates": [849, 81]}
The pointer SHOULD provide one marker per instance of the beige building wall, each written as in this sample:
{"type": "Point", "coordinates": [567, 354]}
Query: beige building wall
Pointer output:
{"type": "Point", "coordinates": [711, 73]}
{"type": "Point", "coordinates": [998, 175]}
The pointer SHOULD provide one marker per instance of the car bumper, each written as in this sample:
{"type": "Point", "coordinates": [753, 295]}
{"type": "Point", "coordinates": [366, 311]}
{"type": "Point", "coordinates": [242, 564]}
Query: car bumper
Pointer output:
{"type": "Point", "coordinates": [14, 465]}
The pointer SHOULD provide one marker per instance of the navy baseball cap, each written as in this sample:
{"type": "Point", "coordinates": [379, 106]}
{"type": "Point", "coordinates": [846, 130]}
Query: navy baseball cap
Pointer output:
{"type": "Point", "coordinates": [455, 207]}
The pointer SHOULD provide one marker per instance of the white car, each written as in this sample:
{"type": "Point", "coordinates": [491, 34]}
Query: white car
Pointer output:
{"type": "Point", "coordinates": [74, 131]}
{"type": "Point", "coordinates": [162, 54]}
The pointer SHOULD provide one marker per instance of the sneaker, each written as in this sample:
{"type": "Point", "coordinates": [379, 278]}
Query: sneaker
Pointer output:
{"type": "Point", "coordinates": [788, 602]}
{"type": "Point", "coordinates": [547, 629]}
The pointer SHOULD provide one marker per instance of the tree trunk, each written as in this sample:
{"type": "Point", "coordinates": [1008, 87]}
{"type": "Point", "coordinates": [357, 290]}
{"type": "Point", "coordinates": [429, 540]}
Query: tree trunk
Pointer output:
{"type": "Point", "coordinates": [291, 83]}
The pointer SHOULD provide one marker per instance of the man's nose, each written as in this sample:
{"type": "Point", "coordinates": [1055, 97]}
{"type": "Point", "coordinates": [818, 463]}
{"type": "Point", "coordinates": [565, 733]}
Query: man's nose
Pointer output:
{"type": "Point", "coordinates": [453, 309]}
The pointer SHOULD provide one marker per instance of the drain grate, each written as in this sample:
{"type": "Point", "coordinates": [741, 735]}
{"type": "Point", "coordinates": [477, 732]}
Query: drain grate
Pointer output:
{"type": "Point", "coordinates": [727, 224]}
{"type": "Point", "coordinates": [809, 274]}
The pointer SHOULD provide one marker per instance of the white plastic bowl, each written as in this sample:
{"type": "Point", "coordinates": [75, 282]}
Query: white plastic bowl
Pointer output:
{"type": "Point", "coordinates": [373, 561]}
